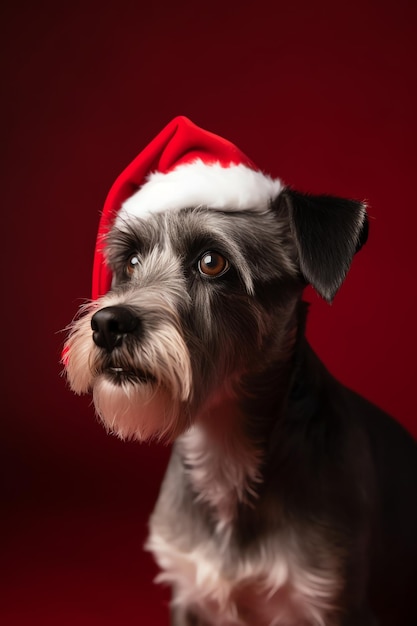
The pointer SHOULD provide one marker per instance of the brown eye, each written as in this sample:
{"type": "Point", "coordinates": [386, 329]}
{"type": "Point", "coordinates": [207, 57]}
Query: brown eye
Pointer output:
{"type": "Point", "coordinates": [132, 264]}
{"type": "Point", "coordinates": [212, 264]}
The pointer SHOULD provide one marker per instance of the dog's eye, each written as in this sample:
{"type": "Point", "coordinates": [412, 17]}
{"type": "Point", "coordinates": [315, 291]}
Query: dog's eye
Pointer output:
{"type": "Point", "coordinates": [213, 264]}
{"type": "Point", "coordinates": [132, 264]}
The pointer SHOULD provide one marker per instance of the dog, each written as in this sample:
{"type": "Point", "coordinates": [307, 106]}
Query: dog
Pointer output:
{"type": "Point", "coordinates": [288, 500]}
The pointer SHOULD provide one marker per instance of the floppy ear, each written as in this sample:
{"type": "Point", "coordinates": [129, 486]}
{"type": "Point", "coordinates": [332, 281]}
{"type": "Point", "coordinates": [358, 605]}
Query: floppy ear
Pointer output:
{"type": "Point", "coordinates": [327, 231]}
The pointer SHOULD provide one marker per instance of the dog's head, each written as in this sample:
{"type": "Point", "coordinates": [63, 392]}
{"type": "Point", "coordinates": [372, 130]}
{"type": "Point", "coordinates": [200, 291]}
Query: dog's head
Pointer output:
{"type": "Point", "coordinates": [203, 297]}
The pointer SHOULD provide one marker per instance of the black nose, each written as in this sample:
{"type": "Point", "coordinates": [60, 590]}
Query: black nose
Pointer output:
{"type": "Point", "coordinates": [111, 324]}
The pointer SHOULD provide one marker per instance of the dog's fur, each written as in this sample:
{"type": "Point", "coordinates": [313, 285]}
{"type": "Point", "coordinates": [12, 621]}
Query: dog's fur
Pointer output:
{"type": "Point", "coordinates": [288, 500]}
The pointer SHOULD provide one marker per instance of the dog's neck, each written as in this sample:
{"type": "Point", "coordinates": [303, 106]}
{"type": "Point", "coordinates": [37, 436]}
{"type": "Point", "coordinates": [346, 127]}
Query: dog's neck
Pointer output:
{"type": "Point", "coordinates": [222, 462]}
{"type": "Point", "coordinates": [223, 453]}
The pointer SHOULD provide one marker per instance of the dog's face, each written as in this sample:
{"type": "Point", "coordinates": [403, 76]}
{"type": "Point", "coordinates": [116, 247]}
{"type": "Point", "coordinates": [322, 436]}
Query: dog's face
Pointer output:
{"type": "Point", "coordinates": [200, 300]}
{"type": "Point", "coordinates": [193, 302]}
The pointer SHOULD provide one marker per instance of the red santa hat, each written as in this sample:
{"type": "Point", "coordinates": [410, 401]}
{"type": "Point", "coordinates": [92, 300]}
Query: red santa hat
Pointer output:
{"type": "Point", "coordinates": [184, 166]}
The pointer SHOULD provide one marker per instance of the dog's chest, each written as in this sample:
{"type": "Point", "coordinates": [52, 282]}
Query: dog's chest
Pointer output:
{"type": "Point", "coordinates": [281, 579]}
{"type": "Point", "coordinates": [269, 587]}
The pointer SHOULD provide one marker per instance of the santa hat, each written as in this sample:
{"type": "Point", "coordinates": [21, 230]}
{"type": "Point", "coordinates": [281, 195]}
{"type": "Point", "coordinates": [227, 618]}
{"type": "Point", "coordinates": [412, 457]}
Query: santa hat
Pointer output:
{"type": "Point", "coordinates": [184, 166]}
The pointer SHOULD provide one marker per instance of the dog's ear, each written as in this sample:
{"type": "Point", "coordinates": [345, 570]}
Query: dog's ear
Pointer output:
{"type": "Point", "coordinates": [327, 231]}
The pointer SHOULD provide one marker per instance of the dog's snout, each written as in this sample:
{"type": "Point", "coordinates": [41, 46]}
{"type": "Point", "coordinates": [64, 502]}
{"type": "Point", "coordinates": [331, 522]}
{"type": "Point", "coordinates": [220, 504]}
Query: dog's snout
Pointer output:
{"type": "Point", "coordinates": [111, 324]}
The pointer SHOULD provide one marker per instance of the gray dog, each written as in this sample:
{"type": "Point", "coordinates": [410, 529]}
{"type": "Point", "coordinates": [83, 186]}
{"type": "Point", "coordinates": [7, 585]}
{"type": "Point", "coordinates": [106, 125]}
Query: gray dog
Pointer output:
{"type": "Point", "coordinates": [288, 500]}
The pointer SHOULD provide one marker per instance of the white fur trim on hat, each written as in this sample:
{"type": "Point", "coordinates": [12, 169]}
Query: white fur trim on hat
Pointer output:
{"type": "Point", "coordinates": [232, 188]}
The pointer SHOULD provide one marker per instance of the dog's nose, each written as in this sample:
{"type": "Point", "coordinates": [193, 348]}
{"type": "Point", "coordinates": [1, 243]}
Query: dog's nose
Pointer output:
{"type": "Point", "coordinates": [111, 324]}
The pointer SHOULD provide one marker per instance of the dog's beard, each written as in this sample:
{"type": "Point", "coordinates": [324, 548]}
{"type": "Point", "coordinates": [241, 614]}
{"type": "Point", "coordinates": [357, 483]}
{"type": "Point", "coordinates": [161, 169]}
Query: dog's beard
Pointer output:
{"type": "Point", "coordinates": [136, 410]}
{"type": "Point", "coordinates": [140, 390]}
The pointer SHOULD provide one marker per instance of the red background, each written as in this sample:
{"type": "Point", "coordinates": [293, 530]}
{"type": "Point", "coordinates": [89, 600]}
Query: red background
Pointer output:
{"type": "Point", "coordinates": [320, 94]}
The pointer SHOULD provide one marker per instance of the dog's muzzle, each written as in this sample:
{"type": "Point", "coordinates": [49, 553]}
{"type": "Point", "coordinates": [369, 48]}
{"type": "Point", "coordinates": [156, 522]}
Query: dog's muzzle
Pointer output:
{"type": "Point", "coordinates": [112, 324]}
{"type": "Point", "coordinates": [135, 361]}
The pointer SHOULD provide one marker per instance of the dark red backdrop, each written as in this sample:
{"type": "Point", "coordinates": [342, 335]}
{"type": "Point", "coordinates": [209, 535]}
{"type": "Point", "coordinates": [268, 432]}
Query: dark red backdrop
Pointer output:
{"type": "Point", "coordinates": [320, 94]}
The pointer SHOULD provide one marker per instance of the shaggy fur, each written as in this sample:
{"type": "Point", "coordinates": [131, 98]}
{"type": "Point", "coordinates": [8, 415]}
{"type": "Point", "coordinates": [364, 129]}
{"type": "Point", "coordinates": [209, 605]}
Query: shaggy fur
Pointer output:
{"type": "Point", "coordinates": [288, 500]}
